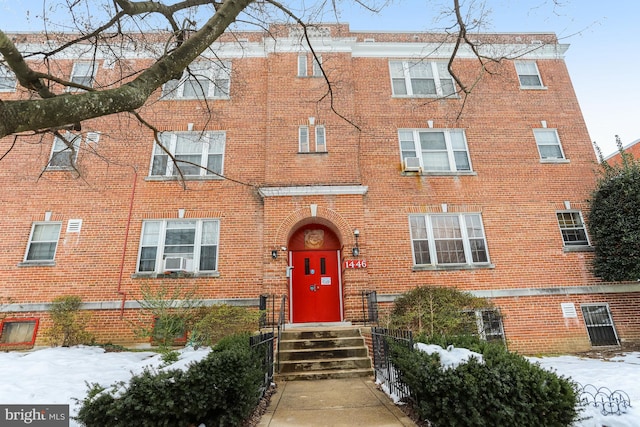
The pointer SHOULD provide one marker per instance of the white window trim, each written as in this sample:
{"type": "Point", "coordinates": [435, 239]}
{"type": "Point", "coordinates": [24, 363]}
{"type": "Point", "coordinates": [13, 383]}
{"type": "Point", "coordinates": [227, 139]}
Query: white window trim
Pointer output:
{"type": "Point", "coordinates": [6, 73]}
{"type": "Point", "coordinates": [529, 87]}
{"type": "Point", "coordinates": [76, 140]}
{"type": "Point", "coordinates": [212, 72]}
{"type": "Point", "coordinates": [159, 262]}
{"type": "Point", "coordinates": [316, 65]}
{"type": "Point", "coordinates": [567, 246]}
{"type": "Point", "coordinates": [30, 242]}
{"type": "Point", "coordinates": [302, 65]}
{"type": "Point", "coordinates": [407, 81]}
{"type": "Point", "coordinates": [450, 151]}
{"type": "Point", "coordinates": [94, 71]}
{"type": "Point", "coordinates": [304, 139]}
{"type": "Point", "coordinates": [204, 156]}
{"type": "Point", "coordinates": [562, 159]}
{"type": "Point", "coordinates": [464, 237]}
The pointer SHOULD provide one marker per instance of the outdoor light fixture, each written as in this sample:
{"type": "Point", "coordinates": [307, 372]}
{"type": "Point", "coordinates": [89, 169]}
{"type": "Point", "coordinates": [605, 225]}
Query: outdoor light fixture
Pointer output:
{"type": "Point", "coordinates": [274, 254]}
{"type": "Point", "coordinates": [356, 250]}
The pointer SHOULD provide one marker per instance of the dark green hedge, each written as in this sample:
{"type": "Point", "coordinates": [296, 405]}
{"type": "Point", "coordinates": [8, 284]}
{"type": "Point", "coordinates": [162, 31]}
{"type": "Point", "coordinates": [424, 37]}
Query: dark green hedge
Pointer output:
{"type": "Point", "coordinates": [506, 390]}
{"type": "Point", "coordinates": [220, 390]}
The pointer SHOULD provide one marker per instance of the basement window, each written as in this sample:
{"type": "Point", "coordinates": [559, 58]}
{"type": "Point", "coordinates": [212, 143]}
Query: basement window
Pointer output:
{"type": "Point", "coordinates": [18, 332]}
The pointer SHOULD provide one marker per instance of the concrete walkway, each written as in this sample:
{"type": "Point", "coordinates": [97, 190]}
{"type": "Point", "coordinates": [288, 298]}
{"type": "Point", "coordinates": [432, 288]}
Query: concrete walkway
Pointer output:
{"type": "Point", "coordinates": [340, 402]}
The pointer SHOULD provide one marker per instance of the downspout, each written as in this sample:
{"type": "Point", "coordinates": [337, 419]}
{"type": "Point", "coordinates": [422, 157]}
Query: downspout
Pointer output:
{"type": "Point", "coordinates": [126, 240]}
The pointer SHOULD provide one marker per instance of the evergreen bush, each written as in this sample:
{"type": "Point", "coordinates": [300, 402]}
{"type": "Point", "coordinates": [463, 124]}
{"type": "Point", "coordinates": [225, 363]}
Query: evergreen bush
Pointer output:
{"type": "Point", "coordinates": [502, 390]}
{"type": "Point", "coordinates": [69, 324]}
{"type": "Point", "coordinates": [220, 390]}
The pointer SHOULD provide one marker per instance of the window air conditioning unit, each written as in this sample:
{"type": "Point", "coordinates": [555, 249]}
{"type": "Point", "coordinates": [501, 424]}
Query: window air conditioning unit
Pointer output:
{"type": "Point", "coordinates": [412, 164]}
{"type": "Point", "coordinates": [176, 264]}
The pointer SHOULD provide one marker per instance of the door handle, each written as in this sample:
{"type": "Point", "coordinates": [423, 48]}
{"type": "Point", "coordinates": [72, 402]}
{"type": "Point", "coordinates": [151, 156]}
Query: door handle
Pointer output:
{"type": "Point", "coordinates": [313, 288]}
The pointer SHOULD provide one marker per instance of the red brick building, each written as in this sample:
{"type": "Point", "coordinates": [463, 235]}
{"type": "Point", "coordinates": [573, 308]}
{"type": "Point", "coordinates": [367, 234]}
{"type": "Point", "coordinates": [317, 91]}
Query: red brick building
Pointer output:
{"type": "Point", "coordinates": [632, 148]}
{"type": "Point", "coordinates": [388, 182]}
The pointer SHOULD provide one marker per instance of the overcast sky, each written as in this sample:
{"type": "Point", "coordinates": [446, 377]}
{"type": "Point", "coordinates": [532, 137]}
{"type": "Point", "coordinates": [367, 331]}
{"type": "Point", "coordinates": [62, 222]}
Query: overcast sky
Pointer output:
{"type": "Point", "coordinates": [603, 59]}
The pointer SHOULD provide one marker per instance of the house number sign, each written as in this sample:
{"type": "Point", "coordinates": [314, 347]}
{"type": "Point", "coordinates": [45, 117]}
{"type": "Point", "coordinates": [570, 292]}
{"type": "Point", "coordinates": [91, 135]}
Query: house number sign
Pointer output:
{"type": "Point", "coordinates": [355, 263]}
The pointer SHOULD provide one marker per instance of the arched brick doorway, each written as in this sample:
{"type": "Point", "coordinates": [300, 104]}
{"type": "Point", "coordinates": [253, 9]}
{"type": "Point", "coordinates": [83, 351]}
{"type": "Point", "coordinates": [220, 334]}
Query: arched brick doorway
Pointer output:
{"type": "Point", "coordinates": [315, 282]}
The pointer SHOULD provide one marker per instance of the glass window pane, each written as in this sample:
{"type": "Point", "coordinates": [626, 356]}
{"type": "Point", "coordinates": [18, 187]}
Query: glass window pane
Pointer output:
{"type": "Point", "coordinates": [530, 81]}
{"type": "Point", "coordinates": [418, 227]}
{"type": "Point", "coordinates": [397, 71]}
{"type": "Point", "coordinates": [42, 251]}
{"type": "Point", "coordinates": [159, 166]}
{"type": "Point", "coordinates": [420, 70]}
{"type": "Point", "coordinates": [210, 232]}
{"type": "Point", "coordinates": [462, 161]}
{"type": "Point", "coordinates": [423, 86]}
{"type": "Point", "coordinates": [46, 232]}
{"type": "Point", "coordinates": [478, 250]}
{"type": "Point", "coordinates": [214, 164]}
{"type": "Point", "coordinates": [450, 252]}
{"type": "Point", "coordinates": [151, 233]}
{"type": "Point", "coordinates": [435, 161]}
{"type": "Point", "coordinates": [399, 87]}
{"type": "Point", "coordinates": [421, 252]}
{"type": "Point", "coordinates": [432, 141]}
{"type": "Point", "coordinates": [208, 257]}
{"type": "Point", "coordinates": [550, 152]}
{"type": "Point", "coordinates": [446, 226]}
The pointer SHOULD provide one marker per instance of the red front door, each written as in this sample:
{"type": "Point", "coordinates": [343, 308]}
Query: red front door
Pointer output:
{"type": "Point", "coordinates": [315, 287]}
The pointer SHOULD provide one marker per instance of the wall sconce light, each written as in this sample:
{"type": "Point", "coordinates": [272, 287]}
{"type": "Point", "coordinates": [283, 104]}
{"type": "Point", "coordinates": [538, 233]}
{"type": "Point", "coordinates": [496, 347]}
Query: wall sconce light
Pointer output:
{"type": "Point", "coordinates": [274, 254]}
{"type": "Point", "coordinates": [356, 250]}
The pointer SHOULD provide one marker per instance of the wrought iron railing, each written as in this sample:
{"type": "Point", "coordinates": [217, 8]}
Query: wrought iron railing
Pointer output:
{"type": "Point", "coordinates": [263, 345]}
{"type": "Point", "coordinates": [386, 373]}
{"type": "Point", "coordinates": [281, 323]}
{"type": "Point", "coordinates": [609, 402]}
{"type": "Point", "coordinates": [370, 307]}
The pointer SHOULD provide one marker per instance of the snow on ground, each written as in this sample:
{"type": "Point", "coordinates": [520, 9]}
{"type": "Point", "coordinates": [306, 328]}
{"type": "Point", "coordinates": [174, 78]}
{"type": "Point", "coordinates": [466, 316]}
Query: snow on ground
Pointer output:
{"type": "Point", "coordinates": [59, 375]}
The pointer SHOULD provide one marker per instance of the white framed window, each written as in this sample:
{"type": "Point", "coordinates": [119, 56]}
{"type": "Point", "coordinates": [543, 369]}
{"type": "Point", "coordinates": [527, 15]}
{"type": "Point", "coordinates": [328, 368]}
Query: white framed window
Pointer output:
{"type": "Point", "coordinates": [448, 240]}
{"type": "Point", "coordinates": [302, 65]}
{"type": "Point", "coordinates": [317, 65]}
{"type": "Point", "coordinates": [43, 241]}
{"type": "Point", "coordinates": [83, 73]}
{"type": "Point", "coordinates": [572, 228]}
{"type": "Point", "coordinates": [64, 151]}
{"type": "Point", "coordinates": [195, 153]}
{"type": "Point", "coordinates": [434, 150]}
{"type": "Point", "coordinates": [528, 75]}
{"type": "Point", "coordinates": [421, 79]}
{"type": "Point", "coordinates": [203, 79]}
{"type": "Point", "coordinates": [548, 144]}
{"type": "Point", "coordinates": [304, 140]}
{"type": "Point", "coordinates": [189, 245]}
{"type": "Point", "coordinates": [8, 80]}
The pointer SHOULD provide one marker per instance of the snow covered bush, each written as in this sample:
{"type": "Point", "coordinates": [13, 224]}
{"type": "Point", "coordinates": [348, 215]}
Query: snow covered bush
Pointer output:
{"type": "Point", "coordinates": [220, 390]}
{"type": "Point", "coordinates": [499, 389]}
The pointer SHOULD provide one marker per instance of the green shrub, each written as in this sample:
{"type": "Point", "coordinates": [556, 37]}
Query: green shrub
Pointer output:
{"type": "Point", "coordinates": [434, 311]}
{"type": "Point", "coordinates": [504, 390]}
{"type": "Point", "coordinates": [220, 390]}
{"type": "Point", "coordinates": [69, 324]}
{"type": "Point", "coordinates": [213, 323]}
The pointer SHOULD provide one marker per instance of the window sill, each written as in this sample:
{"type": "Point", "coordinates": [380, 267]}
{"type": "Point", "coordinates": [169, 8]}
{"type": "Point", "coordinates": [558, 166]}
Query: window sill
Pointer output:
{"type": "Point", "coordinates": [195, 98]}
{"type": "Point", "coordinates": [174, 275]}
{"type": "Point", "coordinates": [313, 152]}
{"type": "Point", "coordinates": [59, 168]}
{"type": "Point", "coordinates": [533, 87]}
{"type": "Point", "coordinates": [453, 96]}
{"type": "Point", "coordinates": [185, 178]}
{"type": "Point", "coordinates": [452, 267]}
{"type": "Point", "coordinates": [578, 248]}
{"type": "Point", "coordinates": [555, 161]}
{"type": "Point", "coordinates": [37, 264]}
{"type": "Point", "coordinates": [440, 173]}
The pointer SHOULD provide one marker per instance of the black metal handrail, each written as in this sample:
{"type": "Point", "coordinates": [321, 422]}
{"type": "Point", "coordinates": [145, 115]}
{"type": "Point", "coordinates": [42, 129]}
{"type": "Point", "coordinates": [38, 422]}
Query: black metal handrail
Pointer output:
{"type": "Point", "coordinates": [385, 372]}
{"type": "Point", "coordinates": [370, 307]}
{"type": "Point", "coordinates": [263, 344]}
{"type": "Point", "coordinates": [281, 323]}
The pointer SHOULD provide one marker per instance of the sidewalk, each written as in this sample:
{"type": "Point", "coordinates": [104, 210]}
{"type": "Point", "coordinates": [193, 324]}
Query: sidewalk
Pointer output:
{"type": "Point", "coordinates": [342, 402]}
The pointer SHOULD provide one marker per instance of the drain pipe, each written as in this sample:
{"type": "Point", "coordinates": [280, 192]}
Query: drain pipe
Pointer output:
{"type": "Point", "coordinates": [126, 241]}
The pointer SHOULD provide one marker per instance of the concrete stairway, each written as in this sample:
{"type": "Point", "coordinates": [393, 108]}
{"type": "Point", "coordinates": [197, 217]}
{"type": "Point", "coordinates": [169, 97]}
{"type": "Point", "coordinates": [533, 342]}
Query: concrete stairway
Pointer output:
{"type": "Point", "coordinates": [322, 354]}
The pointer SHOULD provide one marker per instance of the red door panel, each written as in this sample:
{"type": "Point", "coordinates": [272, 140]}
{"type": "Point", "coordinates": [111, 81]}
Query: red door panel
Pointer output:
{"type": "Point", "coordinates": [315, 287]}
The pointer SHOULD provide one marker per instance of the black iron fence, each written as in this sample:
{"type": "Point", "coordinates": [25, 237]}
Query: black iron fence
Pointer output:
{"type": "Point", "coordinates": [263, 345]}
{"type": "Point", "coordinates": [386, 373]}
